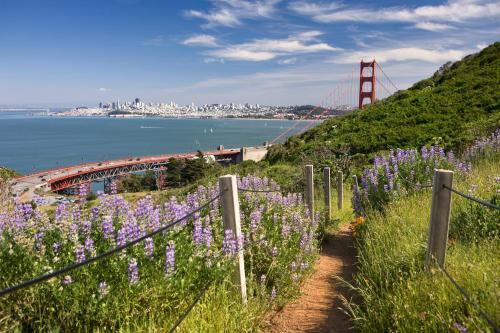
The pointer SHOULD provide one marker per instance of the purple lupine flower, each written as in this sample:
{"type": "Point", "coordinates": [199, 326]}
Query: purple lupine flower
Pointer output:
{"type": "Point", "coordinates": [83, 191]}
{"type": "Point", "coordinates": [255, 218]}
{"type": "Point", "coordinates": [56, 247]}
{"type": "Point", "coordinates": [121, 237]}
{"type": "Point", "coordinates": [304, 241]}
{"type": "Point", "coordinates": [273, 294]}
{"type": "Point", "coordinates": [61, 212]}
{"type": "Point", "coordinates": [207, 233]}
{"type": "Point", "coordinates": [148, 247]}
{"type": "Point", "coordinates": [263, 279]}
{"type": "Point", "coordinates": [198, 232]}
{"type": "Point", "coordinates": [107, 227]}
{"type": "Point", "coordinates": [67, 280]}
{"type": "Point", "coordinates": [80, 253]}
{"type": "Point", "coordinates": [274, 252]}
{"type": "Point", "coordinates": [133, 272]}
{"type": "Point", "coordinates": [170, 258]}
{"type": "Point", "coordinates": [94, 213]}
{"type": "Point", "coordinates": [285, 229]}
{"type": "Point", "coordinates": [103, 289]}
{"type": "Point", "coordinates": [229, 246]}
{"type": "Point", "coordinates": [240, 242]}
{"type": "Point", "coordinates": [89, 245]}
{"type": "Point", "coordinates": [38, 240]}
{"type": "Point", "coordinates": [113, 188]}
{"type": "Point", "coordinates": [460, 327]}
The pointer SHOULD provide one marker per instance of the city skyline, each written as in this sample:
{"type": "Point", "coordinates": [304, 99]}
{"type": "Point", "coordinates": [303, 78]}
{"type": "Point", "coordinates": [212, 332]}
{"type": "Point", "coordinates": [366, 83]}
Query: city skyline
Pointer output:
{"type": "Point", "coordinates": [268, 52]}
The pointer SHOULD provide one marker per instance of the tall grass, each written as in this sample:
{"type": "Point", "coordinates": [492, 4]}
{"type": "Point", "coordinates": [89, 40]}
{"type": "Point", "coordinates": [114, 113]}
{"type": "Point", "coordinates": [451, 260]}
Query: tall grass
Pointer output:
{"type": "Point", "coordinates": [398, 294]}
{"type": "Point", "coordinates": [149, 285]}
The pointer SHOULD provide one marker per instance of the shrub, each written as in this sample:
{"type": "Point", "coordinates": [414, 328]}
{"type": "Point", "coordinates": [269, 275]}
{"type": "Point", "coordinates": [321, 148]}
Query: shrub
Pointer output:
{"type": "Point", "coordinates": [151, 282]}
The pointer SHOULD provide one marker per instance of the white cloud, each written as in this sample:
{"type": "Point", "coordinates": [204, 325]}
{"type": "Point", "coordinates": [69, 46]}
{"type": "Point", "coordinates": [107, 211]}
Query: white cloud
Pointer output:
{"type": "Point", "coordinates": [201, 40]}
{"type": "Point", "coordinates": [430, 26]}
{"type": "Point", "coordinates": [213, 60]}
{"type": "Point", "coordinates": [103, 89]}
{"type": "Point", "coordinates": [450, 11]}
{"type": "Point", "coordinates": [481, 46]}
{"type": "Point", "coordinates": [288, 61]}
{"type": "Point", "coordinates": [402, 54]}
{"type": "Point", "coordinates": [267, 49]}
{"type": "Point", "coordinates": [237, 53]}
{"type": "Point", "coordinates": [230, 13]}
{"type": "Point", "coordinates": [313, 9]}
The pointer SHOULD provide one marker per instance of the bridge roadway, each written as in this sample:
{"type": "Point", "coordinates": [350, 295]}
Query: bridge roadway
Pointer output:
{"type": "Point", "coordinates": [53, 180]}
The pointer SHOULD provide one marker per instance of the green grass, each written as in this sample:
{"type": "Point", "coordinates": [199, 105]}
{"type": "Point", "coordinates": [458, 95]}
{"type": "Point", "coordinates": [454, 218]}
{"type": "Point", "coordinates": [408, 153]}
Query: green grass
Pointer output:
{"type": "Point", "coordinates": [398, 294]}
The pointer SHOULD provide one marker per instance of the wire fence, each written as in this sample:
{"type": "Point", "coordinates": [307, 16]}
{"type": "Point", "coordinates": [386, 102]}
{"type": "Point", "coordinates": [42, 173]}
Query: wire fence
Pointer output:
{"type": "Point", "coordinates": [190, 307]}
{"type": "Point", "coordinates": [469, 197]}
{"type": "Point", "coordinates": [467, 297]}
{"type": "Point", "coordinates": [206, 288]}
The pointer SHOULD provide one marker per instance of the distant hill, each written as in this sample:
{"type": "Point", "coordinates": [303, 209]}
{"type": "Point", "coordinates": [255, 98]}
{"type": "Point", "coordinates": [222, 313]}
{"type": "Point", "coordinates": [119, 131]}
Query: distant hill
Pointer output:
{"type": "Point", "coordinates": [460, 102]}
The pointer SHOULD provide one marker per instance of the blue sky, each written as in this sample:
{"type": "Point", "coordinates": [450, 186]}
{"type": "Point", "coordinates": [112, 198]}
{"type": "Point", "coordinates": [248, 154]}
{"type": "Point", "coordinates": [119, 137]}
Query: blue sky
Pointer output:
{"type": "Point", "coordinates": [71, 52]}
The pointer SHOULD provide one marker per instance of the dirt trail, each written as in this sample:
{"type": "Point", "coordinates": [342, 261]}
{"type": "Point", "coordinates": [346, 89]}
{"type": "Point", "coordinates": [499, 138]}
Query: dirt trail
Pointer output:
{"type": "Point", "coordinates": [317, 309]}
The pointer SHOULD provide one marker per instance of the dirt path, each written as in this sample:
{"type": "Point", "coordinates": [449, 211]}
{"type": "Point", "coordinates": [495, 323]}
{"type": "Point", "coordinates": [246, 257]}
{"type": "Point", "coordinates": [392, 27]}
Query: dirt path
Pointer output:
{"type": "Point", "coordinates": [317, 310]}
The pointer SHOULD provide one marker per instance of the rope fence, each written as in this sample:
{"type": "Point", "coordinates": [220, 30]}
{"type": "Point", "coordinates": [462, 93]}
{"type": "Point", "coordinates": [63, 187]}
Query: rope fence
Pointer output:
{"type": "Point", "coordinates": [467, 297]}
{"type": "Point", "coordinates": [190, 307]}
{"type": "Point", "coordinates": [469, 197]}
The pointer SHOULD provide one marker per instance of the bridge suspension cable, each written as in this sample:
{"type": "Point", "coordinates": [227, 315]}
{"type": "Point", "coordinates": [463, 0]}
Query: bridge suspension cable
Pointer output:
{"type": "Point", "coordinates": [342, 94]}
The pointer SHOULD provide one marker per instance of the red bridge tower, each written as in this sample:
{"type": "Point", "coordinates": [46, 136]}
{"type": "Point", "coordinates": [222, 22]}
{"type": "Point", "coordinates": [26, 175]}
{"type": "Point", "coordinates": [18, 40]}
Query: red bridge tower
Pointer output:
{"type": "Point", "coordinates": [367, 77]}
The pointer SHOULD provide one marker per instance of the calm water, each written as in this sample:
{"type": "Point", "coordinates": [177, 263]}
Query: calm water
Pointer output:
{"type": "Point", "coordinates": [29, 143]}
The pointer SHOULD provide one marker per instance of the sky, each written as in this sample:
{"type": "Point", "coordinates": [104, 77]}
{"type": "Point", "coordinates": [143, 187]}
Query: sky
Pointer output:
{"type": "Point", "coordinates": [271, 52]}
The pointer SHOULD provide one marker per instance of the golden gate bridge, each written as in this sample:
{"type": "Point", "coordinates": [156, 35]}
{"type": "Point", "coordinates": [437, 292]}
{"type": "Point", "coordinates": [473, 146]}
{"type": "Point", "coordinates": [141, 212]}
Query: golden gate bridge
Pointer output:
{"type": "Point", "coordinates": [352, 91]}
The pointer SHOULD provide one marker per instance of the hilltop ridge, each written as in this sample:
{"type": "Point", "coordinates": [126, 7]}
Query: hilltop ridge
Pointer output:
{"type": "Point", "coordinates": [460, 102]}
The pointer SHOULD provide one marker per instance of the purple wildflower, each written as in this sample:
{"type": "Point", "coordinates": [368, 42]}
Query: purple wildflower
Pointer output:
{"type": "Point", "coordinates": [89, 245]}
{"type": "Point", "coordinates": [229, 246]}
{"type": "Point", "coordinates": [67, 280]}
{"type": "Point", "coordinates": [133, 272]}
{"type": "Point", "coordinates": [274, 252]}
{"type": "Point", "coordinates": [170, 258]}
{"type": "Point", "coordinates": [273, 294]}
{"type": "Point", "coordinates": [80, 253]}
{"type": "Point", "coordinates": [255, 218]}
{"type": "Point", "coordinates": [148, 247]}
{"type": "Point", "coordinates": [107, 227]}
{"type": "Point", "coordinates": [460, 327]}
{"type": "Point", "coordinates": [198, 232]}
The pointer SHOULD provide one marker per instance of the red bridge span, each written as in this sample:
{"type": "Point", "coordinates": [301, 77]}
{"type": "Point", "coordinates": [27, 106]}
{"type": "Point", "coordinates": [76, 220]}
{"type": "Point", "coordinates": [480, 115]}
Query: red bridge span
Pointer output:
{"type": "Point", "coordinates": [71, 177]}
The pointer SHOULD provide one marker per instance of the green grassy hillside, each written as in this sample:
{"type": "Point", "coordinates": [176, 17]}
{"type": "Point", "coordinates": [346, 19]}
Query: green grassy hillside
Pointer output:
{"type": "Point", "coordinates": [460, 102]}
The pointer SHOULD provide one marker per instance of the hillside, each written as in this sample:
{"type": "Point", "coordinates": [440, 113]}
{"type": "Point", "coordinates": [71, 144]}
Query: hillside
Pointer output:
{"type": "Point", "coordinates": [459, 102]}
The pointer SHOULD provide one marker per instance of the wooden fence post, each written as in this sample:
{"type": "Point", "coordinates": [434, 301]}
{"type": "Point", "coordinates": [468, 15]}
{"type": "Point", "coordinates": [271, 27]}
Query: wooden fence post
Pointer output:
{"type": "Point", "coordinates": [231, 217]}
{"type": "Point", "coordinates": [440, 217]}
{"type": "Point", "coordinates": [327, 187]}
{"type": "Point", "coordinates": [340, 189]}
{"type": "Point", "coordinates": [310, 190]}
{"type": "Point", "coordinates": [355, 183]}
